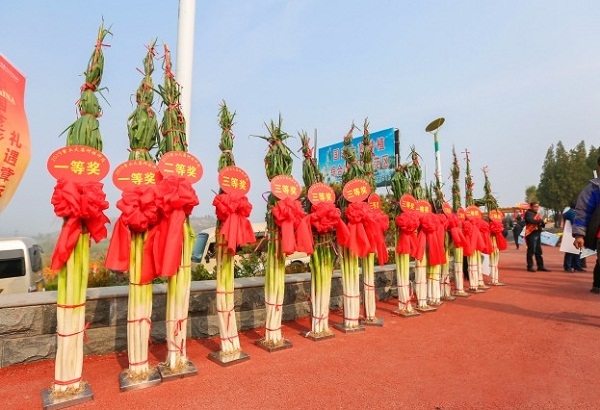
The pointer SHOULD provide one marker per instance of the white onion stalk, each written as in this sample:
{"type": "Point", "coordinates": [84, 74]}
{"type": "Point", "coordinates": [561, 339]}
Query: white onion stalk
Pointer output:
{"type": "Point", "coordinates": [473, 262]}
{"type": "Point", "coordinates": [139, 311]}
{"type": "Point", "coordinates": [70, 326]}
{"type": "Point", "coordinates": [274, 287]}
{"type": "Point", "coordinates": [230, 342]}
{"type": "Point", "coordinates": [368, 272]}
{"type": "Point", "coordinates": [350, 287]}
{"type": "Point", "coordinates": [321, 268]}
{"type": "Point", "coordinates": [433, 284]}
{"type": "Point", "coordinates": [458, 271]}
{"type": "Point", "coordinates": [403, 280]}
{"type": "Point", "coordinates": [178, 301]}
{"type": "Point", "coordinates": [421, 281]}
{"type": "Point", "coordinates": [446, 288]}
{"type": "Point", "coordinates": [480, 283]}
{"type": "Point", "coordinates": [494, 260]}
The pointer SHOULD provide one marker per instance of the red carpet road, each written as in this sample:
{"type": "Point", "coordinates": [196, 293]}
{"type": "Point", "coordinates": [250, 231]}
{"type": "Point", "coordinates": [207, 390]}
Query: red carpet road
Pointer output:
{"type": "Point", "coordinates": [533, 344]}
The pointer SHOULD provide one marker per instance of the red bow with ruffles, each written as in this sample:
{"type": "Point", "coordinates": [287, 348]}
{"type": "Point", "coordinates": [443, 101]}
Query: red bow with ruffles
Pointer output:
{"type": "Point", "coordinates": [325, 217]}
{"type": "Point", "coordinates": [485, 240]}
{"type": "Point", "coordinates": [164, 242]}
{"type": "Point", "coordinates": [454, 227]}
{"type": "Point", "coordinates": [296, 235]}
{"type": "Point", "coordinates": [233, 211]}
{"type": "Point", "coordinates": [497, 229]}
{"type": "Point", "coordinates": [377, 224]}
{"type": "Point", "coordinates": [357, 215]}
{"type": "Point", "coordinates": [471, 234]}
{"type": "Point", "coordinates": [429, 238]}
{"type": "Point", "coordinates": [407, 223]}
{"type": "Point", "coordinates": [81, 204]}
{"type": "Point", "coordinates": [139, 212]}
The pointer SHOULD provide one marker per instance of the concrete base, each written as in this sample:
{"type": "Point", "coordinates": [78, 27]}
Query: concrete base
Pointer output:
{"type": "Point", "coordinates": [341, 327]}
{"type": "Point", "coordinates": [51, 403]}
{"type": "Point", "coordinates": [285, 344]}
{"type": "Point", "coordinates": [226, 360]}
{"type": "Point", "coordinates": [425, 309]}
{"type": "Point", "coordinates": [474, 291]}
{"type": "Point", "coordinates": [167, 374]}
{"type": "Point", "coordinates": [318, 337]}
{"type": "Point", "coordinates": [461, 294]}
{"type": "Point", "coordinates": [372, 322]}
{"type": "Point", "coordinates": [448, 298]}
{"type": "Point", "coordinates": [405, 313]}
{"type": "Point", "coordinates": [126, 383]}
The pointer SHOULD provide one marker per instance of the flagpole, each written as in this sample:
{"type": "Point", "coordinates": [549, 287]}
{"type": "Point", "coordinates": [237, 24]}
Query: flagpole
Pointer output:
{"type": "Point", "coordinates": [185, 57]}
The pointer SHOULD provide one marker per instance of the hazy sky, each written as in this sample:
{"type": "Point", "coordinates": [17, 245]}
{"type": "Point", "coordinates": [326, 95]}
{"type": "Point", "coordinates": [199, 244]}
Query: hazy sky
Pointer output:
{"type": "Point", "coordinates": [510, 78]}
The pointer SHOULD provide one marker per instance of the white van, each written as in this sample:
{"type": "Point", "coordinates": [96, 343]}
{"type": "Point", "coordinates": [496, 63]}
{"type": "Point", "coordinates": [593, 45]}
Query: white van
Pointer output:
{"type": "Point", "coordinates": [20, 265]}
{"type": "Point", "coordinates": [204, 247]}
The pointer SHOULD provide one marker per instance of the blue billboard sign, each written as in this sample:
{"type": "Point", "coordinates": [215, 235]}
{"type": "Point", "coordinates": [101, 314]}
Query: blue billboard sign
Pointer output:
{"type": "Point", "coordinates": [332, 164]}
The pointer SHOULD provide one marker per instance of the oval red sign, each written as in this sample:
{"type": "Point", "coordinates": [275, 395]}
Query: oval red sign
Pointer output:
{"type": "Point", "coordinates": [374, 201]}
{"type": "Point", "coordinates": [284, 186]}
{"type": "Point", "coordinates": [446, 208]}
{"type": "Point", "coordinates": [461, 214]}
{"type": "Point", "coordinates": [234, 180]}
{"type": "Point", "coordinates": [496, 215]}
{"type": "Point", "coordinates": [423, 206]}
{"type": "Point", "coordinates": [136, 173]}
{"type": "Point", "coordinates": [473, 211]}
{"type": "Point", "coordinates": [321, 192]}
{"type": "Point", "coordinates": [78, 163]}
{"type": "Point", "coordinates": [181, 164]}
{"type": "Point", "coordinates": [408, 202]}
{"type": "Point", "coordinates": [356, 190]}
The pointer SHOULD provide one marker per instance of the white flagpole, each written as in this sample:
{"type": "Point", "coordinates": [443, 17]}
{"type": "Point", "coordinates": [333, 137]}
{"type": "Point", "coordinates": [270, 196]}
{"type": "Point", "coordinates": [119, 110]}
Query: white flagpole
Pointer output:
{"type": "Point", "coordinates": [185, 57]}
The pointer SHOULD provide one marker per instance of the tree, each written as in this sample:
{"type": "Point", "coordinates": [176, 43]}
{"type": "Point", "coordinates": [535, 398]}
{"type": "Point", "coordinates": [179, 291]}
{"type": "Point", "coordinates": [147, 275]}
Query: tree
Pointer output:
{"type": "Point", "coordinates": [531, 194]}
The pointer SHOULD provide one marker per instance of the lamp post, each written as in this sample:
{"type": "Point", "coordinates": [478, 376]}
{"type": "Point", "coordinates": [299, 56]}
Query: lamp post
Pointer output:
{"type": "Point", "coordinates": [433, 128]}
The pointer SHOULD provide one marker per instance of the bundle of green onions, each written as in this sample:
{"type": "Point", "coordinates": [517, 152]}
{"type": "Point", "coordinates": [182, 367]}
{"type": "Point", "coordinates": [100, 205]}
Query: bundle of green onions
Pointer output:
{"type": "Point", "coordinates": [473, 260]}
{"type": "Point", "coordinates": [349, 260]}
{"type": "Point", "coordinates": [496, 230]}
{"type": "Point", "coordinates": [173, 133]}
{"type": "Point", "coordinates": [142, 129]}
{"type": "Point", "coordinates": [322, 260]}
{"type": "Point", "coordinates": [278, 161]}
{"type": "Point", "coordinates": [73, 276]}
{"type": "Point", "coordinates": [368, 262]}
{"type": "Point", "coordinates": [458, 249]}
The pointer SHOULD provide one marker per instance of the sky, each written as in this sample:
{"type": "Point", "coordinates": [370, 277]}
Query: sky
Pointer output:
{"type": "Point", "coordinates": [510, 78]}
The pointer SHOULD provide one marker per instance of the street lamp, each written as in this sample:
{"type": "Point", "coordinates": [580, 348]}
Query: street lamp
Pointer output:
{"type": "Point", "coordinates": [433, 128]}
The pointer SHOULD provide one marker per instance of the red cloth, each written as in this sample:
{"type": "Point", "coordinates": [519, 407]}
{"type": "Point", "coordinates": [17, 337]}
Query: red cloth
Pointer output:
{"type": "Point", "coordinates": [456, 233]}
{"type": "Point", "coordinates": [378, 223]}
{"type": "Point", "coordinates": [325, 217]}
{"type": "Point", "coordinates": [485, 239]}
{"type": "Point", "coordinates": [497, 229]}
{"type": "Point", "coordinates": [357, 214]}
{"type": "Point", "coordinates": [429, 239]}
{"type": "Point", "coordinates": [471, 236]}
{"type": "Point", "coordinates": [407, 223]}
{"type": "Point", "coordinates": [296, 234]}
{"type": "Point", "coordinates": [233, 211]}
{"type": "Point", "coordinates": [139, 212]}
{"type": "Point", "coordinates": [81, 204]}
{"type": "Point", "coordinates": [164, 242]}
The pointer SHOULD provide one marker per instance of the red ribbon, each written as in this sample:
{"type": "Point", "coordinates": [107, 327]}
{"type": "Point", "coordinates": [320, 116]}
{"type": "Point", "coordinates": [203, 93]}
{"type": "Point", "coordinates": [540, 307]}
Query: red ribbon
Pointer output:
{"type": "Point", "coordinates": [471, 233]}
{"type": "Point", "coordinates": [164, 242]}
{"type": "Point", "coordinates": [357, 215]}
{"type": "Point", "coordinates": [456, 233]}
{"type": "Point", "coordinates": [407, 223]}
{"type": "Point", "coordinates": [497, 229]}
{"type": "Point", "coordinates": [81, 204]}
{"type": "Point", "coordinates": [233, 211]}
{"type": "Point", "coordinates": [485, 239]}
{"type": "Point", "coordinates": [139, 211]}
{"type": "Point", "coordinates": [429, 237]}
{"type": "Point", "coordinates": [377, 223]}
{"type": "Point", "coordinates": [296, 235]}
{"type": "Point", "coordinates": [325, 217]}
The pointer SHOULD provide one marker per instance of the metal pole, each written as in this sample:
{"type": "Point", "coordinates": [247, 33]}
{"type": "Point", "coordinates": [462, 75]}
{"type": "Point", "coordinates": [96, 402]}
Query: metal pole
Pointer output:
{"type": "Point", "coordinates": [185, 57]}
{"type": "Point", "coordinates": [438, 160]}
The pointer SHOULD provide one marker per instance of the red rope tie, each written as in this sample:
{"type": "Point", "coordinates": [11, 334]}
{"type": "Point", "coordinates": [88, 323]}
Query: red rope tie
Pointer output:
{"type": "Point", "coordinates": [273, 330]}
{"type": "Point", "coordinates": [223, 292]}
{"type": "Point", "coordinates": [139, 284]}
{"type": "Point", "coordinates": [230, 338]}
{"type": "Point", "coordinates": [85, 328]}
{"type": "Point", "coordinates": [228, 315]}
{"type": "Point", "coordinates": [185, 266]}
{"type": "Point", "coordinates": [178, 324]}
{"type": "Point", "coordinates": [319, 318]}
{"type": "Point", "coordinates": [178, 348]}
{"type": "Point", "coordinates": [369, 286]}
{"type": "Point", "coordinates": [61, 383]}
{"type": "Point", "coordinates": [348, 296]}
{"type": "Point", "coordinates": [147, 320]}
{"type": "Point", "coordinates": [69, 306]}
{"type": "Point", "coordinates": [277, 305]}
{"type": "Point", "coordinates": [138, 363]}
{"type": "Point", "coordinates": [351, 318]}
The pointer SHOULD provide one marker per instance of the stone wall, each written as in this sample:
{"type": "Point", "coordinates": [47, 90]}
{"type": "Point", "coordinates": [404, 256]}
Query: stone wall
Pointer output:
{"type": "Point", "coordinates": [28, 320]}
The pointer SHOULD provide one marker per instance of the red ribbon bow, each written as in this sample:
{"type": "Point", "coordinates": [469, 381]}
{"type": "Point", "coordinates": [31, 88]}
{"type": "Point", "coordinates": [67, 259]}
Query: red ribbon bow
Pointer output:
{"type": "Point", "coordinates": [377, 224]}
{"type": "Point", "coordinates": [139, 212]}
{"type": "Point", "coordinates": [429, 238]}
{"type": "Point", "coordinates": [497, 229]}
{"type": "Point", "coordinates": [325, 217]}
{"type": "Point", "coordinates": [81, 204]}
{"type": "Point", "coordinates": [233, 211]}
{"type": "Point", "coordinates": [296, 235]}
{"type": "Point", "coordinates": [357, 215]}
{"type": "Point", "coordinates": [485, 239]}
{"type": "Point", "coordinates": [164, 243]}
{"type": "Point", "coordinates": [407, 223]}
{"type": "Point", "coordinates": [456, 233]}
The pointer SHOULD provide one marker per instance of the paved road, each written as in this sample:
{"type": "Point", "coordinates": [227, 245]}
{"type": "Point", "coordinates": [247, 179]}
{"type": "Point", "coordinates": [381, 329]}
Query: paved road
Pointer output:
{"type": "Point", "coordinates": [533, 344]}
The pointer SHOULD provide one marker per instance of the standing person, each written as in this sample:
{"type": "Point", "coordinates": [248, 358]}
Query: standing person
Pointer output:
{"type": "Point", "coordinates": [572, 261]}
{"type": "Point", "coordinates": [534, 225]}
{"type": "Point", "coordinates": [517, 229]}
{"type": "Point", "coordinates": [587, 222]}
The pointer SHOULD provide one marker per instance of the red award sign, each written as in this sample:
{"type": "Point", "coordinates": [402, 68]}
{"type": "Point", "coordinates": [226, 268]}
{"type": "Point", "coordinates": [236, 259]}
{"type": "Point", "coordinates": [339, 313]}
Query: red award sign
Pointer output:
{"type": "Point", "coordinates": [408, 202]}
{"type": "Point", "coordinates": [234, 180]}
{"type": "Point", "coordinates": [423, 206]}
{"type": "Point", "coordinates": [136, 173]}
{"type": "Point", "coordinates": [446, 208]}
{"type": "Point", "coordinates": [356, 190]}
{"type": "Point", "coordinates": [78, 163]}
{"type": "Point", "coordinates": [374, 201]}
{"type": "Point", "coordinates": [284, 186]}
{"type": "Point", "coordinates": [473, 211]}
{"type": "Point", "coordinates": [321, 192]}
{"type": "Point", "coordinates": [462, 215]}
{"type": "Point", "coordinates": [496, 215]}
{"type": "Point", "coordinates": [181, 164]}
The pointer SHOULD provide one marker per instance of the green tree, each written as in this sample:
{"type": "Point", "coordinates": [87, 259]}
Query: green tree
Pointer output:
{"type": "Point", "coordinates": [531, 194]}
